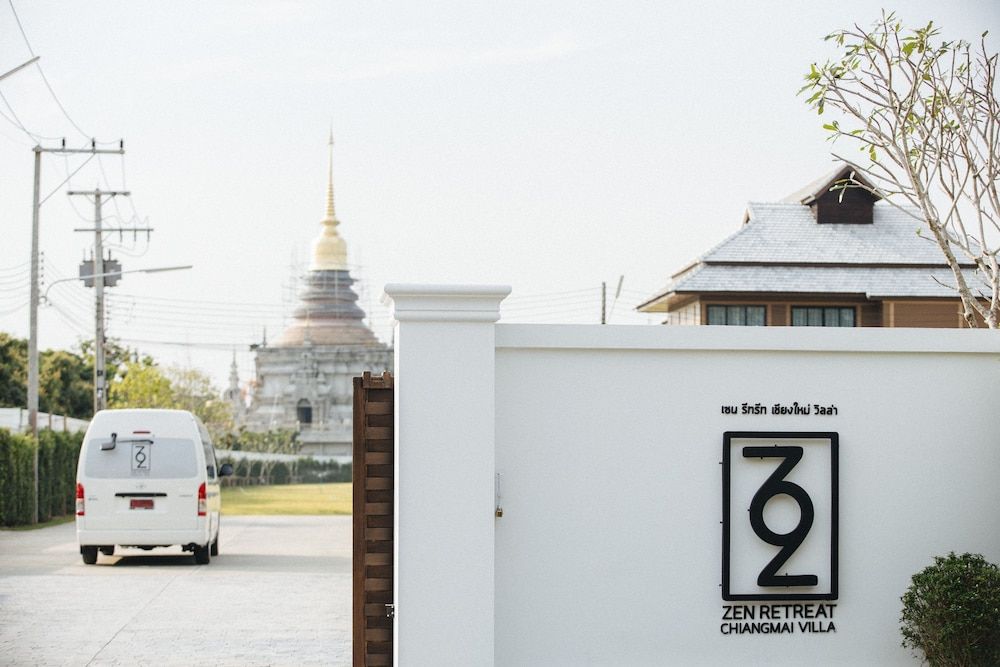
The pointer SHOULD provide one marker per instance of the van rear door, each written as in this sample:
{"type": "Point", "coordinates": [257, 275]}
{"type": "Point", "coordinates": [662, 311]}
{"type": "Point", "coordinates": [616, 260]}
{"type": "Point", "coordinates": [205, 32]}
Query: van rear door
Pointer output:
{"type": "Point", "coordinates": [141, 483]}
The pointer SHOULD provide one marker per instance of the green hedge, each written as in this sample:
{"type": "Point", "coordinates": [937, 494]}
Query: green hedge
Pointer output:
{"type": "Point", "coordinates": [304, 470]}
{"type": "Point", "coordinates": [57, 457]}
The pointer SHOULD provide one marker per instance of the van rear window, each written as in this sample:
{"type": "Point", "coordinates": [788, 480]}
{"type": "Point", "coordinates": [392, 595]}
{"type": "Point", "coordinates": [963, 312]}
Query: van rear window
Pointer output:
{"type": "Point", "coordinates": [160, 458]}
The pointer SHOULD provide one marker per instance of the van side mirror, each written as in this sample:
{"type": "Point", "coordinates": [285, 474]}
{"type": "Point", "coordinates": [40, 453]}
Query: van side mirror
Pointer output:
{"type": "Point", "coordinates": [105, 446]}
{"type": "Point", "coordinates": [226, 470]}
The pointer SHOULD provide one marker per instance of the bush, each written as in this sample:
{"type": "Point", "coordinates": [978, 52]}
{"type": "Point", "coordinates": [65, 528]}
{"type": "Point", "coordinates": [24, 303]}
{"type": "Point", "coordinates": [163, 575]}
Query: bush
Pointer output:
{"type": "Point", "coordinates": [951, 611]}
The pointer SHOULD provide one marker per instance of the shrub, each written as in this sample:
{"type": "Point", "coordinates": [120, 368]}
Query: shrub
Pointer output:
{"type": "Point", "coordinates": [17, 478]}
{"type": "Point", "coordinates": [57, 457]}
{"type": "Point", "coordinates": [279, 473]}
{"type": "Point", "coordinates": [951, 611]}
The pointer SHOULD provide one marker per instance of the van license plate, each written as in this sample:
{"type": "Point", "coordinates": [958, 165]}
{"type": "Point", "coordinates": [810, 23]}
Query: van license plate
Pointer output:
{"type": "Point", "coordinates": [141, 504]}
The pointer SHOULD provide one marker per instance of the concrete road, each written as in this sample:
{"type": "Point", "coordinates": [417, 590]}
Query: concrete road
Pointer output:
{"type": "Point", "coordinates": [279, 593]}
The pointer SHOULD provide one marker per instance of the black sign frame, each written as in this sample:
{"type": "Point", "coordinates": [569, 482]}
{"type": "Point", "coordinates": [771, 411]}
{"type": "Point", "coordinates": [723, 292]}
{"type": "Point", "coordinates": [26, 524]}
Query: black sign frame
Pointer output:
{"type": "Point", "coordinates": [834, 440]}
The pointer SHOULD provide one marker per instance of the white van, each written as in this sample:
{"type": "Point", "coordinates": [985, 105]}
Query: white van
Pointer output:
{"type": "Point", "coordinates": [148, 478]}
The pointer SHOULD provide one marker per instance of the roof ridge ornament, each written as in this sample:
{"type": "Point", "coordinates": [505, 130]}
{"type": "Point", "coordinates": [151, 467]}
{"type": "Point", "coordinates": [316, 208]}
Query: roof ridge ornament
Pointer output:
{"type": "Point", "coordinates": [844, 171]}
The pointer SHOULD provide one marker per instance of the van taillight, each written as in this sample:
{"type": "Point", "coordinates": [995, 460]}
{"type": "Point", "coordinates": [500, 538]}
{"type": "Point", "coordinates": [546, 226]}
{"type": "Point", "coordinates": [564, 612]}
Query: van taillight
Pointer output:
{"type": "Point", "coordinates": [79, 499]}
{"type": "Point", "coordinates": [202, 500]}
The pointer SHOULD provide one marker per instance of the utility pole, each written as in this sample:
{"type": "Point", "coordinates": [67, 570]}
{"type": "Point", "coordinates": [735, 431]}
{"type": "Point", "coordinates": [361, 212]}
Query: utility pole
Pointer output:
{"type": "Point", "coordinates": [604, 302]}
{"type": "Point", "coordinates": [33, 306]}
{"type": "Point", "coordinates": [100, 373]}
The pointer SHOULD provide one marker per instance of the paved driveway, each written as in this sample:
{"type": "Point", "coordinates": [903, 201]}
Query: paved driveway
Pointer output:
{"type": "Point", "coordinates": [279, 593]}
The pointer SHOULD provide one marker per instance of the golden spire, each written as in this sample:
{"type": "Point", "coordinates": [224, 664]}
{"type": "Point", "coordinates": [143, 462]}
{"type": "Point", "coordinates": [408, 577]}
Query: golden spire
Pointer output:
{"type": "Point", "coordinates": [329, 249]}
{"type": "Point", "coordinates": [330, 215]}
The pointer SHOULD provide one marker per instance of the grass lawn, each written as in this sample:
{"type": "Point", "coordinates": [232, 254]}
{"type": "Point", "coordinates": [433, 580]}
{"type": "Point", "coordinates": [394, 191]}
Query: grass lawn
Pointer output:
{"type": "Point", "coordinates": [287, 499]}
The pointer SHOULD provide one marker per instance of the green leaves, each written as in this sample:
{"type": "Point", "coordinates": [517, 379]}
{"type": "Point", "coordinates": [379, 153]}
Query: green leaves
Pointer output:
{"type": "Point", "coordinates": [57, 458]}
{"type": "Point", "coordinates": [145, 385]}
{"type": "Point", "coordinates": [951, 611]}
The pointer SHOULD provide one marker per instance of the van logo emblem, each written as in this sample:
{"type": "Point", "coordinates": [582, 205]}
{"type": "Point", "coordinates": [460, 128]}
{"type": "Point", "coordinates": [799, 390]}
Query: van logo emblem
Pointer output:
{"type": "Point", "coordinates": [140, 486]}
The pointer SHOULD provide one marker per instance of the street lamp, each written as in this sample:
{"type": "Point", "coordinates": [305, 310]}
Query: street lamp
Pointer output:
{"type": "Point", "coordinates": [45, 297]}
{"type": "Point", "coordinates": [19, 68]}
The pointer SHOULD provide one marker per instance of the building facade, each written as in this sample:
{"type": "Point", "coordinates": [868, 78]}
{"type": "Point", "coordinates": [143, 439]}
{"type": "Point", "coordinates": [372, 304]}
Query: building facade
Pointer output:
{"type": "Point", "coordinates": [303, 379]}
{"type": "Point", "coordinates": [824, 256]}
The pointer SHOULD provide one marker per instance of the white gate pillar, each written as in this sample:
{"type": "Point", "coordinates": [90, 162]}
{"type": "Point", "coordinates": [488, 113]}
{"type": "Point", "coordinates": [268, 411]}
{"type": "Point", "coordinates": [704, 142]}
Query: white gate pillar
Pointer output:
{"type": "Point", "coordinates": [445, 466]}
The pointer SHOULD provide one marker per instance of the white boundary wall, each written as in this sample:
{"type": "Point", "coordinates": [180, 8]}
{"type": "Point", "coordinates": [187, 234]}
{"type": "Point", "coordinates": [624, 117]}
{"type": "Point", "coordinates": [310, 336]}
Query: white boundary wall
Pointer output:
{"type": "Point", "coordinates": [609, 442]}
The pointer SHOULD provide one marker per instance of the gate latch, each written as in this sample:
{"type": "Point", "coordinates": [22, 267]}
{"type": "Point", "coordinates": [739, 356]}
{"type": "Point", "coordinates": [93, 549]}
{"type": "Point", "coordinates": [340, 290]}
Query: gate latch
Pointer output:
{"type": "Point", "coordinates": [499, 508]}
{"type": "Point", "coordinates": [390, 610]}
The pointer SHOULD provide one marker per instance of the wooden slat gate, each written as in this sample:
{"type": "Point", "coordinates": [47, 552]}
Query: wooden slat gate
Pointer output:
{"type": "Point", "coordinates": [373, 517]}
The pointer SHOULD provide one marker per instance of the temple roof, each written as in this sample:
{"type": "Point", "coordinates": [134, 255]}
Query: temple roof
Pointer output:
{"type": "Point", "coordinates": [328, 313]}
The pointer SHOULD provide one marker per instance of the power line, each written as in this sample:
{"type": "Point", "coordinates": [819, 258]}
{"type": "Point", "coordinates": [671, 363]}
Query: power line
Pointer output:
{"type": "Point", "coordinates": [15, 267]}
{"type": "Point", "coordinates": [15, 309]}
{"type": "Point", "coordinates": [41, 72]}
{"type": "Point", "coordinates": [16, 122]}
{"type": "Point", "coordinates": [21, 28]}
{"type": "Point", "coordinates": [226, 347]}
{"type": "Point", "coordinates": [62, 108]}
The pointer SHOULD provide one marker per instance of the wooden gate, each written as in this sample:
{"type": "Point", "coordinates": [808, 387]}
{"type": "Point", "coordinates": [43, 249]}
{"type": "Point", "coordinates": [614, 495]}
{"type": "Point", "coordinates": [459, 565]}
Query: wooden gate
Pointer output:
{"type": "Point", "coordinates": [373, 517]}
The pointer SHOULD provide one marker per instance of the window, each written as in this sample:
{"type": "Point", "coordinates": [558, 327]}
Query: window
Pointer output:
{"type": "Point", "coordinates": [206, 443]}
{"type": "Point", "coordinates": [156, 458]}
{"type": "Point", "coordinates": [815, 316]}
{"type": "Point", "coordinates": [304, 412]}
{"type": "Point", "coordinates": [751, 316]}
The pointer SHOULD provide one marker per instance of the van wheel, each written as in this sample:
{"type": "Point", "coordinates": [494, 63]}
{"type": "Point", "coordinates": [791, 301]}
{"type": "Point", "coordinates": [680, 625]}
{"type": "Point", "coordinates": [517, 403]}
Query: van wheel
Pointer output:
{"type": "Point", "coordinates": [215, 546]}
{"type": "Point", "coordinates": [202, 555]}
{"type": "Point", "coordinates": [108, 550]}
{"type": "Point", "coordinates": [89, 554]}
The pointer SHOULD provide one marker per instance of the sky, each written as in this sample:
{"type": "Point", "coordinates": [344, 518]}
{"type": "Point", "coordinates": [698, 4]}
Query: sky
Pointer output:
{"type": "Point", "coordinates": [547, 146]}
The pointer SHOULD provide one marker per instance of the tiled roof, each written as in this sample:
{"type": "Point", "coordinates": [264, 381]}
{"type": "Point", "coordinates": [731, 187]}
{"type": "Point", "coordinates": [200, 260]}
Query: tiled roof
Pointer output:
{"type": "Point", "coordinates": [781, 248]}
{"type": "Point", "coordinates": [788, 233]}
{"type": "Point", "coordinates": [873, 282]}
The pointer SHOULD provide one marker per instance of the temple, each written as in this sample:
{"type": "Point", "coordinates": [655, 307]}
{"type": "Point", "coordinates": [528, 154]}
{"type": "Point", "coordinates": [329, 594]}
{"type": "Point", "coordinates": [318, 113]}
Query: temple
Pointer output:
{"type": "Point", "coordinates": [303, 380]}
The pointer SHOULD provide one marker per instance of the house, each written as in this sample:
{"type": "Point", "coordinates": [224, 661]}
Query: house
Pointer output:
{"type": "Point", "coordinates": [821, 257]}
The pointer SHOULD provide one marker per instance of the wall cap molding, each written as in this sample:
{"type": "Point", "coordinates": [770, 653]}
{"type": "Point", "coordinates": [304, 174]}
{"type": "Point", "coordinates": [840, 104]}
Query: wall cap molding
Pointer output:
{"type": "Point", "coordinates": [787, 339]}
{"type": "Point", "coordinates": [444, 303]}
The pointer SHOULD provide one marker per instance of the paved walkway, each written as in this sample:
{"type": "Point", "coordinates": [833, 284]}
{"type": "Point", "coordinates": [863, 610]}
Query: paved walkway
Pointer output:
{"type": "Point", "coordinates": [279, 593]}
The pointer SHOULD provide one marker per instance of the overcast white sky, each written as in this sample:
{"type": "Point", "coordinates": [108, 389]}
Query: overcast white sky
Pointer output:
{"type": "Point", "coordinates": [549, 146]}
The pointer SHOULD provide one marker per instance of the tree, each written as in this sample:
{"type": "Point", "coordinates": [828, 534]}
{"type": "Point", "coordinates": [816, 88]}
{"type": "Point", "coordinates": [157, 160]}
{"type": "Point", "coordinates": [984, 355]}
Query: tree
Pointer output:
{"type": "Point", "coordinates": [116, 356]}
{"type": "Point", "coordinates": [142, 384]}
{"type": "Point", "coordinates": [13, 371]}
{"type": "Point", "coordinates": [193, 390]}
{"type": "Point", "coordinates": [66, 384]}
{"type": "Point", "coordinates": [926, 120]}
{"type": "Point", "coordinates": [65, 379]}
